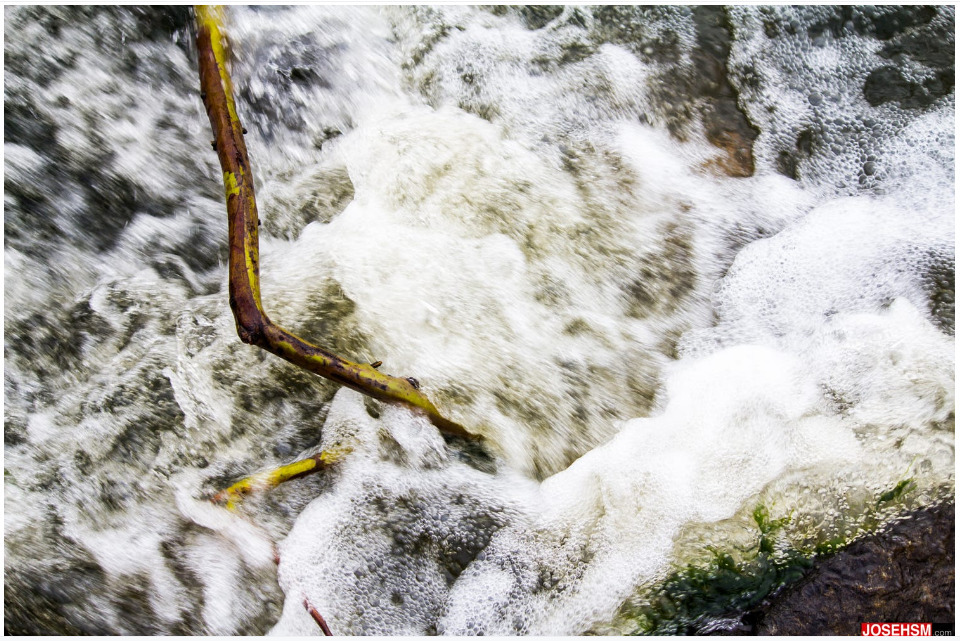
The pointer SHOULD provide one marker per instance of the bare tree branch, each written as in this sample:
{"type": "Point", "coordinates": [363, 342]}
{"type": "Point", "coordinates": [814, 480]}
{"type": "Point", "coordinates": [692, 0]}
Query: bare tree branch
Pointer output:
{"type": "Point", "coordinates": [263, 481]}
{"type": "Point", "coordinates": [253, 324]}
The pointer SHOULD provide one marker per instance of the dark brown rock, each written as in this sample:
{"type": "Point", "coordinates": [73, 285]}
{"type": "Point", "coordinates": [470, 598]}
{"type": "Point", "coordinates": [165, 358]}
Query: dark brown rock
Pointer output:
{"type": "Point", "coordinates": [902, 573]}
{"type": "Point", "coordinates": [727, 127]}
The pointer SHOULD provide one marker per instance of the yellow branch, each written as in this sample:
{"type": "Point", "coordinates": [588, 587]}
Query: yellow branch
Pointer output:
{"type": "Point", "coordinates": [262, 481]}
{"type": "Point", "coordinates": [253, 324]}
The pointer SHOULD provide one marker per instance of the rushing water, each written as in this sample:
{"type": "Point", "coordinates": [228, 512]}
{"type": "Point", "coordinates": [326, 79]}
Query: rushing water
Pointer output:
{"type": "Point", "coordinates": [690, 271]}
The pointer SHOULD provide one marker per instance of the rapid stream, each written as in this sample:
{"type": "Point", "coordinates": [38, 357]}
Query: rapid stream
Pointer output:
{"type": "Point", "coordinates": [688, 270]}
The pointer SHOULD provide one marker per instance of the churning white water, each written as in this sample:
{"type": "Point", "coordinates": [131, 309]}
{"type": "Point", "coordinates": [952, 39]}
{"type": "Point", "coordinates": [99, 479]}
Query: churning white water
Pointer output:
{"type": "Point", "coordinates": [655, 327]}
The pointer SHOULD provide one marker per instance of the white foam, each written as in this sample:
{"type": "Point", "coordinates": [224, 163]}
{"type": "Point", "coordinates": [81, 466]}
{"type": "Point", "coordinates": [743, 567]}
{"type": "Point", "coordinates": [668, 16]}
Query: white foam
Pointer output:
{"type": "Point", "coordinates": [734, 422]}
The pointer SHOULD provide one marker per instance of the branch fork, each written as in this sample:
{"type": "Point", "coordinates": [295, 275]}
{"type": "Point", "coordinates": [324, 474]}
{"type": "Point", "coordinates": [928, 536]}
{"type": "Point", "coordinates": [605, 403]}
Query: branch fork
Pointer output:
{"type": "Point", "coordinates": [253, 324]}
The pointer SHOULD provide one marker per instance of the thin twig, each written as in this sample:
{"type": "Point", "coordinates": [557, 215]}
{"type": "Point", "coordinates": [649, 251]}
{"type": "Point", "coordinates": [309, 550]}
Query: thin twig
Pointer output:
{"type": "Point", "coordinates": [318, 618]}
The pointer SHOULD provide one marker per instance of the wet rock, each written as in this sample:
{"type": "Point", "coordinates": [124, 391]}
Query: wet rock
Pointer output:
{"type": "Point", "coordinates": [940, 286]}
{"type": "Point", "coordinates": [914, 39]}
{"type": "Point", "coordinates": [883, 23]}
{"type": "Point", "coordinates": [904, 572]}
{"type": "Point", "coordinates": [703, 88]}
{"type": "Point", "coordinates": [538, 16]}
{"type": "Point", "coordinates": [788, 161]}
{"type": "Point", "coordinates": [887, 84]}
{"type": "Point", "coordinates": [288, 66]}
{"type": "Point", "coordinates": [14, 427]}
{"type": "Point", "coordinates": [636, 28]}
{"type": "Point", "coordinates": [51, 594]}
{"type": "Point", "coordinates": [76, 184]}
{"type": "Point", "coordinates": [725, 124]}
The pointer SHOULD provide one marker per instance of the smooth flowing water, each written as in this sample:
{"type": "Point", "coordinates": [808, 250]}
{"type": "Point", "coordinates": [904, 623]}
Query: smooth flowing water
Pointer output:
{"type": "Point", "coordinates": [688, 270]}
